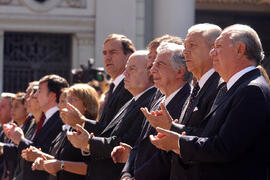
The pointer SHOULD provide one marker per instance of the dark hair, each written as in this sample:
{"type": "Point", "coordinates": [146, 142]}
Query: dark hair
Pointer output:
{"type": "Point", "coordinates": [127, 45]}
{"type": "Point", "coordinates": [19, 97]}
{"type": "Point", "coordinates": [55, 84]}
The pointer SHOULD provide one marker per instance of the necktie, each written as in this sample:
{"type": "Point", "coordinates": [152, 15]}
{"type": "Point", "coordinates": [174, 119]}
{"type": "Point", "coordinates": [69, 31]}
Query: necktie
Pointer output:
{"type": "Point", "coordinates": [40, 123]}
{"type": "Point", "coordinates": [221, 93]}
{"type": "Point", "coordinates": [109, 93]}
{"type": "Point", "coordinates": [193, 95]}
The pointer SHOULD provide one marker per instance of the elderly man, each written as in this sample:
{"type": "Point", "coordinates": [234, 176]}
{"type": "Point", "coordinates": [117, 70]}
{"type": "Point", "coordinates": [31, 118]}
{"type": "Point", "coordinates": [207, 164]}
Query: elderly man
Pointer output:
{"type": "Point", "coordinates": [234, 143]}
{"type": "Point", "coordinates": [198, 43]}
{"type": "Point", "coordinates": [171, 77]}
{"type": "Point", "coordinates": [116, 50]}
{"type": "Point", "coordinates": [125, 125]}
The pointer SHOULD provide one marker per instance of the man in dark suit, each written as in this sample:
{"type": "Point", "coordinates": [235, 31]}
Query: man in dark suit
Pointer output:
{"type": "Point", "coordinates": [9, 150]}
{"type": "Point", "coordinates": [171, 77]}
{"type": "Point", "coordinates": [116, 51]}
{"type": "Point", "coordinates": [198, 43]}
{"type": "Point", "coordinates": [5, 117]}
{"type": "Point", "coordinates": [125, 125]}
{"type": "Point", "coordinates": [234, 144]}
{"type": "Point", "coordinates": [48, 96]}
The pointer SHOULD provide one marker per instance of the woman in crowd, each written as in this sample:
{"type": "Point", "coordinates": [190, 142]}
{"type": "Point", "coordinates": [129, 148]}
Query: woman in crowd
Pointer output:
{"type": "Point", "coordinates": [18, 111]}
{"type": "Point", "coordinates": [65, 161]}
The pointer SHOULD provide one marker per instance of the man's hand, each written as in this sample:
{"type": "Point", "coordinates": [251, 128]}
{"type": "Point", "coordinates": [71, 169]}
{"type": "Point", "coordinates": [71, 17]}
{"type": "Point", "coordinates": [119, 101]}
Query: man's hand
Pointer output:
{"type": "Point", "coordinates": [159, 118]}
{"type": "Point", "coordinates": [31, 154]}
{"type": "Point", "coordinates": [13, 132]}
{"type": "Point", "coordinates": [71, 116]}
{"type": "Point", "coordinates": [166, 140]}
{"type": "Point", "coordinates": [120, 153]}
{"type": "Point", "coordinates": [38, 164]}
{"type": "Point", "coordinates": [52, 166]}
{"type": "Point", "coordinates": [80, 138]}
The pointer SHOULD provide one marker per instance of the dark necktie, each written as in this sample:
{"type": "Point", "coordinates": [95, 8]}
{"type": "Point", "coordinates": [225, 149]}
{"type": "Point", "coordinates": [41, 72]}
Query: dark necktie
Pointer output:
{"type": "Point", "coordinates": [109, 93]}
{"type": "Point", "coordinates": [189, 108]}
{"type": "Point", "coordinates": [221, 93]}
{"type": "Point", "coordinates": [40, 123]}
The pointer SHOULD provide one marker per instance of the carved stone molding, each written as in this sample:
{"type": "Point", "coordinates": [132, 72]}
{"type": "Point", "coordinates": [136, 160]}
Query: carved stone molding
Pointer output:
{"type": "Point", "coordinates": [5, 2]}
{"type": "Point", "coordinates": [75, 3]}
{"type": "Point", "coordinates": [234, 5]}
{"type": "Point", "coordinates": [43, 6]}
{"type": "Point", "coordinates": [251, 2]}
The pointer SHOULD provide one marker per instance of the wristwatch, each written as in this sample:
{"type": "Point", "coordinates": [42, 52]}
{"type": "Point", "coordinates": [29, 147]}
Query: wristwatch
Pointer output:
{"type": "Point", "coordinates": [62, 166]}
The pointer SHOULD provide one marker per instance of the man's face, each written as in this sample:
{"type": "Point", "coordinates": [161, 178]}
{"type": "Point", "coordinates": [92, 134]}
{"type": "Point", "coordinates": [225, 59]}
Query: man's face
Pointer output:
{"type": "Point", "coordinates": [163, 73]}
{"type": "Point", "coordinates": [223, 55]}
{"type": "Point", "coordinates": [43, 95]}
{"type": "Point", "coordinates": [136, 75]}
{"type": "Point", "coordinates": [114, 58]}
{"type": "Point", "coordinates": [5, 107]}
{"type": "Point", "coordinates": [196, 52]}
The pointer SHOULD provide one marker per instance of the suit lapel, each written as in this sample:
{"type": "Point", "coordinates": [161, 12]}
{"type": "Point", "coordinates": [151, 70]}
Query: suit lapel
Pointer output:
{"type": "Point", "coordinates": [50, 123]}
{"type": "Point", "coordinates": [127, 108]}
{"type": "Point", "coordinates": [184, 119]}
{"type": "Point", "coordinates": [174, 103]}
{"type": "Point", "coordinates": [240, 82]}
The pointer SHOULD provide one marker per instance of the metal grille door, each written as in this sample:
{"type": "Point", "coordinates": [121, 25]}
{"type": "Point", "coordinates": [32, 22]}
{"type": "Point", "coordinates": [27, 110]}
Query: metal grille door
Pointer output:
{"type": "Point", "coordinates": [29, 56]}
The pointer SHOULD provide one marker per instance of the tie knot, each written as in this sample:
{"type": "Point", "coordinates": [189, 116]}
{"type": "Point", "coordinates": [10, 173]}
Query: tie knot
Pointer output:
{"type": "Point", "coordinates": [195, 90]}
{"type": "Point", "coordinates": [111, 87]}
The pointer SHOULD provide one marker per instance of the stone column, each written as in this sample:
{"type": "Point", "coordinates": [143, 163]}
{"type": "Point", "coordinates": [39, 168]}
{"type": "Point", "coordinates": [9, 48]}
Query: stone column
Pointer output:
{"type": "Point", "coordinates": [82, 49]}
{"type": "Point", "coordinates": [1, 60]}
{"type": "Point", "coordinates": [173, 17]}
{"type": "Point", "coordinates": [117, 16]}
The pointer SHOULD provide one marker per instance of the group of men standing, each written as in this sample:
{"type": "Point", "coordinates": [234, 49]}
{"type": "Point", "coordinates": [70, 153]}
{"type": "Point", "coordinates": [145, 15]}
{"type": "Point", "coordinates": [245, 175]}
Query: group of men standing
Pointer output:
{"type": "Point", "coordinates": [160, 123]}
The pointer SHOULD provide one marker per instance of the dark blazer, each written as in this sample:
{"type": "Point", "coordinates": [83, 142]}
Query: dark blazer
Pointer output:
{"type": "Point", "coordinates": [42, 140]}
{"type": "Point", "coordinates": [191, 123]}
{"type": "Point", "coordinates": [62, 149]}
{"type": "Point", "coordinates": [145, 160]}
{"type": "Point", "coordinates": [235, 141]}
{"type": "Point", "coordinates": [119, 97]}
{"type": "Point", "coordinates": [11, 156]}
{"type": "Point", "coordinates": [124, 127]}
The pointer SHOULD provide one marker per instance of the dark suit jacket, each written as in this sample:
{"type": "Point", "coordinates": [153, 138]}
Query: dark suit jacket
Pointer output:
{"type": "Point", "coordinates": [119, 97]}
{"type": "Point", "coordinates": [235, 141]}
{"type": "Point", "coordinates": [11, 156]}
{"type": "Point", "coordinates": [62, 149]}
{"type": "Point", "coordinates": [145, 160]}
{"type": "Point", "coordinates": [42, 140]}
{"type": "Point", "coordinates": [192, 123]}
{"type": "Point", "coordinates": [124, 127]}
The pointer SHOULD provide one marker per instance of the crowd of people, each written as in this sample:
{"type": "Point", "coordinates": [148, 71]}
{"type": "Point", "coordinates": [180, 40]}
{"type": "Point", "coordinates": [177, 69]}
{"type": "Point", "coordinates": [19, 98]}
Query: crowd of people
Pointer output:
{"type": "Point", "coordinates": [192, 109]}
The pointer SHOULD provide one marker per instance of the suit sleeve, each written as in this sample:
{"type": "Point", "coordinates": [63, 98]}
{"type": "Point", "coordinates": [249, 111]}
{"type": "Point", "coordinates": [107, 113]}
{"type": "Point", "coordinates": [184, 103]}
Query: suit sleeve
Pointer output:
{"type": "Point", "coordinates": [236, 134]}
{"type": "Point", "coordinates": [93, 126]}
{"type": "Point", "coordinates": [129, 166]}
{"type": "Point", "coordinates": [10, 151]}
{"type": "Point", "coordinates": [127, 132]}
{"type": "Point", "coordinates": [24, 143]}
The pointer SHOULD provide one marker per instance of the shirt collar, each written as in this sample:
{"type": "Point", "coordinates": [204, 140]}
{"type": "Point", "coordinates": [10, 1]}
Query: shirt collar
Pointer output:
{"type": "Point", "coordinates": [117, 81]}
{"type": "Point", "coordinates": [171, 96]}
{"type": "Point", "coordinates": [238, 75]}
{"type": "Point", "coordinates": [50, 112]}
{"type": "Point", "coordinates": [205, 77]}
{"type": "Point", "coordinates": [139, 95]}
